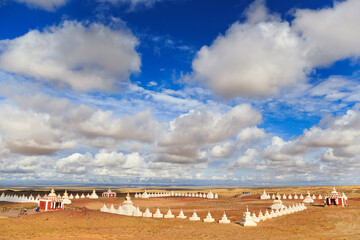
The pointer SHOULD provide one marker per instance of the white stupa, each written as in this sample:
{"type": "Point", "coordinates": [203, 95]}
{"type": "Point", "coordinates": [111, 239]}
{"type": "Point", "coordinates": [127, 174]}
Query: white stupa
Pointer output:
{"type": "Point", "coordinates": [169, 214]}
{"type": "Point", "coordinates": [66, 198]}
{"type": "Point", "coordinates": [296, 196]}
{"type": "Point", "coordinates": [264, 196]}
{"type": "Point", "coordinates": [112, 209]}
{"type": "Point", "coordinates": [284, 197]}
{"type": "Point", "coordinates": [313, 196]}
{"type": "Point", "coordinates": [147, 213]}
{"type": "Point", "coordinates": [260, 216]}
{"type": "Point", "coordinates": [128, 207]}
{"type": "Point", "coordinates": [255, 218]}
{"type": "Point", "coordinates": [273, 196]}
{"type": "Point", "coordinates": [145, 194]}
{"type": "Point", "coordinates": [194, 217]}
{"type": "Point", "coordinates": [82, 196]}
{"type": "Point", "coordinates": [104, 208]}
{"type": "Point", "coordinates": [344, 196]}
{"type": "Point", "coordinates": [52, 193]}
{"type": "Point", "coordinates": [267, 215]}
{"type": "Point", "coordinates": [224, 219]}
{"type": "Point", "coordinates": [209, 218]}
{"type": "Point", "coordinates": [247, 220]}
{"type": "Point", "coordinates": [71, 196]}
{"type": "Point", "coordinates": [181, 215]}
{"type": "Point", "coordinates": [308, 198]}
{"type": "Point", "coordinates": [290, 197]}
{"type": "Point", "coordinates": [301, 196]}
{"type": "Point", "coordinates": [216, 196]}
{"type": "Point", "coordinates": [277, 204]}
{"type": "Point", "coordinates": [94, 195]}
{"type": "Point", "coordinates": [272, 213]}
{"type": "Point", "coordinates": [158, 214]}
{"type": "Point", "coordinates": [77, 196]}
{"type": "Point", "coordinates": [210, 195]}
{"type": "Point", "coordinates": [320, 197]}
{"type": "Point", "coordinates": [137, 212]}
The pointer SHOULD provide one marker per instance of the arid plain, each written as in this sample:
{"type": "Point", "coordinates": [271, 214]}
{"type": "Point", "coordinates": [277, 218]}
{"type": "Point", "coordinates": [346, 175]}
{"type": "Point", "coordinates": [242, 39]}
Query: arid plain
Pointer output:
{"type": "Point", "coordinates": [83, 220]}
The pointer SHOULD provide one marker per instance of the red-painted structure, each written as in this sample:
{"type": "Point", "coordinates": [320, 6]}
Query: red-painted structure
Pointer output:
{"type": "Point", "coordinates": [335, 199]}
{"type": "Point", "coordinates": [109, 194]}
{"type": "Point", "coordinates": [51, 202]}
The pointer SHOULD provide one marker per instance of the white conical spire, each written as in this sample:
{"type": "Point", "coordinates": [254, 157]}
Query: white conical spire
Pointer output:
{"type": "Point", "coordinates": [181, 215]}
{"type": "Point", "coordinates": [209, 218]}
{"type": "Point", "coordinates": [255, 218]}
{"type": "Point", "coordinates": [194, 217]}
{"type": "Point", "coordinates": [147, 213]}
{"type": "Point", "coordinates": [247, 220]}
{"type": "Point", "coordinates": [169, 214]}
{"type": "Point", "coordinates": [157, 214]}
{"type": "Point", "coordinates": [260, 216]}
{"type": "Point", "coordinates": [224, 219]}
{"type": "Point", "coordinates": [104, 208]}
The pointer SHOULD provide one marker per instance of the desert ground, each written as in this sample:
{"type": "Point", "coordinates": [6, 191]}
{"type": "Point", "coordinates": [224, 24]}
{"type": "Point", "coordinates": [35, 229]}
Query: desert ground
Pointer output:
{"type": "Point", "coordinates": [83, 220]}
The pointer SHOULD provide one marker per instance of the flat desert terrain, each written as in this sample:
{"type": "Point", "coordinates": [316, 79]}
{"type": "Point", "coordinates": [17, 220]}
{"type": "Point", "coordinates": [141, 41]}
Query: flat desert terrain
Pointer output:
{"type": "Point", "coordinates": [83, 220]}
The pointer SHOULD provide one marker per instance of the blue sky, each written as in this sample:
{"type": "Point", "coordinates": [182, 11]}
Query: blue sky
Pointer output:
{"type": "Point", "coordinates": [179, 92]}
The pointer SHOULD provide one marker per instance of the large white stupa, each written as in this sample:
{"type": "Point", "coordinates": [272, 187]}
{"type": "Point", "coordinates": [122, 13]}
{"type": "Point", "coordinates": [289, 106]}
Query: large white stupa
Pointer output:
{"type": "Point", "coordinates": [264, 196]}
{"type": "Point", "coordinates": [277, 204]}
{"type": "Point", "coordinates": [94, 195]}
{"type": "Point", "coordinates": [247, 220]}
{"type": "Point", "coordinates": [308, 198]}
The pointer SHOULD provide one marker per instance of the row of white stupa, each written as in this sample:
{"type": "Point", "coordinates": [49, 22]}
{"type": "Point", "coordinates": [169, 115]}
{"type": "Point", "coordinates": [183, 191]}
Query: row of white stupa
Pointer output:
{"type": "Point", "coordinates": [145, 194]}
{"type": "Point", "coordinates": [265, 196]}
{"type": "Point", "coordinates": [128, 209]}
{"type": "Point", "coordinates": [31, 198]}
{"type": "Point", "coordinates": [252, 220]}
{"type": "Point", "coordinates": [19, 199]}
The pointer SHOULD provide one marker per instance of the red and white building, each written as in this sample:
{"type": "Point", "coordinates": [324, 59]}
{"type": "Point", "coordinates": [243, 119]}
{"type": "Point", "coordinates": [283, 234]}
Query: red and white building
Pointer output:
{"type": "Point", "coordinates": [335, 199]}
{"type": "Point", "coordinates": [109, 194]}
{"type": "Point", "coordinates": [51, 202]}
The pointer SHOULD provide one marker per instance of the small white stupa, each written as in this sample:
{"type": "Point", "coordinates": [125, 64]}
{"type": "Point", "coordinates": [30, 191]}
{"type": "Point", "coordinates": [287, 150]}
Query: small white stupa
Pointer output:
{"type": "Point", "coordinates": [137, 212]}
{"type": "Point", "coordinates": [308, 198]}
{"type": "Point", "coordinates": [272, 213]}
{"type": "Point", "coordinates": [255, 218]}
{"type": "Point", "coordinates": [260, 216]}
{"type": "Point", "coordinates": [344, 196]}
{"type": "Point", "coordinates": [169, 214]}
{"type": "Point", "coordinates": [224, 219]}
{"type": "Point", "coordinates": [194, 217]}
{"type": "Point", "coordinates": [71, 196]}
{"type": "Point", "coordinates": [94, 195]}
{"type": "Point", "coordinates": [158, 214]}
{"type": "Point", "coordinates": [296, 196]}
{"type": "Point", "coordinates": [210, 195]}
{"type": "Point", "coordinates": [284, 197]}
{"type": "Point", "coordinates": [112, 209]}
{"type": "Point", "coordinates": [313, 196]}
{"type": "Point", "coordinates": [77, 196]}
{"type": "Point", "coordinates": [209, 218]}
{"type": "Point", "coordinates": [277, 204]}
{"type": "Point", "coordinates": [267, 215]}
{"type": "Point", "coordinates": [290, 197]}
{"type": "Point", "coordinates": [216, 196]}
{"type": "Point", "coordinates": [247, 220]}
{"type": "Point", "coordinates": [301, 196]}
{"type": "Point", "coordinates": [147, 213]}
{"type": "Point", "coordinates": [82, 196]}
{"type": "Point", "coordinates": [145, 194]}
{"type": "Point", "coordinates": [104, 208]}
{"type": "Point", "coordinates": [273, 196]}
{"type": "Point", "coordinates": [181, 215]}
{"type": "Point", "coordinates": [264, 196]}
{"type": "Point", "coordinates": [320, 197]}
{"type": "Point", "coordinates": [66, 198]}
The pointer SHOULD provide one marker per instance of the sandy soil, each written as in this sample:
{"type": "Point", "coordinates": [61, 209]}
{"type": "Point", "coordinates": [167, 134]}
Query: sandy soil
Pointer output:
{"type": "Point", "coordinates": [88, 223]}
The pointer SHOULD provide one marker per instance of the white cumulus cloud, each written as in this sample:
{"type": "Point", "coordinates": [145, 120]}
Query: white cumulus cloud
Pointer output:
{"type": "Point", "coordinates": [85, 57]}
